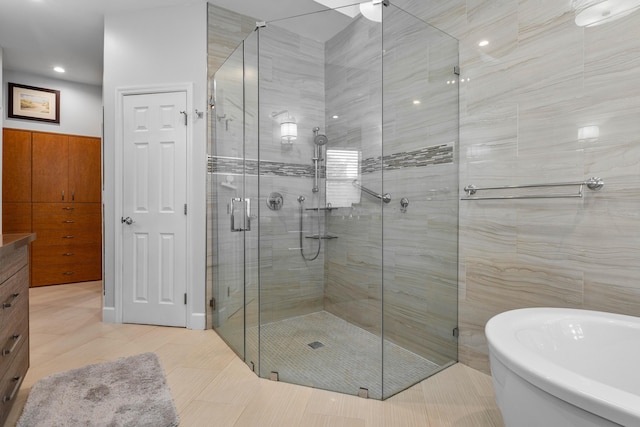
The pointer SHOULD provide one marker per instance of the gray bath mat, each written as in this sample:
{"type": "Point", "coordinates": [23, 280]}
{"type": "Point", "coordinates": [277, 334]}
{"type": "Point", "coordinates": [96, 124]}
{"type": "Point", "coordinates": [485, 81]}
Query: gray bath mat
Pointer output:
{"type": "Point", "coordinates": [130, 391]}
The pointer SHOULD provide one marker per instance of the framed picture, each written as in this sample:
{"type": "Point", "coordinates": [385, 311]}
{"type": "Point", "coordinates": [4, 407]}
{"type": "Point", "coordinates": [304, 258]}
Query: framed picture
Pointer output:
{"type": "Point", "coordinates": [34, 103]}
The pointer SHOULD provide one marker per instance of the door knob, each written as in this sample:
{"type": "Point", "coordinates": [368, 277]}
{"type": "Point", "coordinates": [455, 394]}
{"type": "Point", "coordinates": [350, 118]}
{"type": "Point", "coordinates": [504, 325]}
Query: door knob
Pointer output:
{"type": "Point", "coordinates": [127, 220]}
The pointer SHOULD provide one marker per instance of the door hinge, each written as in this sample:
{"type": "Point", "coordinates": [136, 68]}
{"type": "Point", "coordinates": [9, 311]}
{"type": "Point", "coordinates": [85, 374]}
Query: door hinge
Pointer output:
{"type": "Point", "coordinates": [185, 298]}
{"type": "Point", "coordinates": [185, 208]}
{"type": "Point", "coordinates": [456, 332]}
{"type": "Point", "coordinates": [212, 303]}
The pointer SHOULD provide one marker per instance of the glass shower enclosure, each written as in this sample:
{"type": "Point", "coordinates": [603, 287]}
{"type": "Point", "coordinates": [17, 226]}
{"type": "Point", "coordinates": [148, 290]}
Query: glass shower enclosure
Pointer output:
{"type": "Point", "coordinates": [333, 205]}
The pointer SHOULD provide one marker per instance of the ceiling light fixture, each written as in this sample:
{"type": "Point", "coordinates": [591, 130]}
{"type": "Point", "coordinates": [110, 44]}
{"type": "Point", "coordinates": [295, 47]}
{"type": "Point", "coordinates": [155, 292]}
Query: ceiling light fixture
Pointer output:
{"type": "Point", "coordinates": [372, 10]}
{"type": "Point", "coordinates": [58, 69]}
{"type": "Point", "coordinates": [483, 43]}
{"type": "Point", "coordinates": [590, 13]}
{"type": "Point", "coordinates": [346, 7]}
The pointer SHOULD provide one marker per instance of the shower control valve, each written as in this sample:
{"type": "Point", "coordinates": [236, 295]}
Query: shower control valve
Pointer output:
{"type": "Point", "coordinates": [275, 201]}
{"type": "Point", "coordinates": [404, 202]}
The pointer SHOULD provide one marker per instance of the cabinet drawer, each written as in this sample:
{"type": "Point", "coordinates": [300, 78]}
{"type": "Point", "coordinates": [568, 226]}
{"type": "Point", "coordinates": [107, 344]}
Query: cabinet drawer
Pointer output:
{"type": "Point", "coordinates": [12, 379]}
{"type": "Point", "coordinates": [68, 237]}
{"type": "Point", "coordinates": [53, 216]}
{"type": "Point", "coordinates": [55, 274]}
{"type": "Point", "coordinates": [67, 254]}
{"type": "Point", "coordinates": [14, 298]}
{"type": "Point", "coordinates": [12, 261]}
{"type": "Point", "coordinates": [15, 332]}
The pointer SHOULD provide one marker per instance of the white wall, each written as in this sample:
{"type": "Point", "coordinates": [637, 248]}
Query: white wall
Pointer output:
{"type": "Point", "coordinates": [155, 47]}
{"type": "Point", "coordinates": [80, 105]}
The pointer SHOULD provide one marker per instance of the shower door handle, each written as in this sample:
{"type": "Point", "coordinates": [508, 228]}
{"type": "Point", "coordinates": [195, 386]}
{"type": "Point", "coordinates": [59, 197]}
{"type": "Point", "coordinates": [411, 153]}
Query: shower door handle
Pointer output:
{"type": "Point", "coordinates": [247, 214]}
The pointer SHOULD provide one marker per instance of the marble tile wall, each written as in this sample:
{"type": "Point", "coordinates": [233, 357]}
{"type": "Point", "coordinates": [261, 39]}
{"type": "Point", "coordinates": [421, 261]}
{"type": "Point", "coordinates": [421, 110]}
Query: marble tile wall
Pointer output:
{"type": "Point", "coordinates": [406, 259]}
{"type": "Point", "coordinates": [420, 148]}
{"type": "Point", "coordinates": [524, 98]}
{"type": "Point", "coordinates": [291, 78]}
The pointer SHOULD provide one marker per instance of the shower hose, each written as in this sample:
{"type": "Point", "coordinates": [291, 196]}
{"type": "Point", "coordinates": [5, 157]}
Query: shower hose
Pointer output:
{"type": "Point", "coordinates": [301, 200]}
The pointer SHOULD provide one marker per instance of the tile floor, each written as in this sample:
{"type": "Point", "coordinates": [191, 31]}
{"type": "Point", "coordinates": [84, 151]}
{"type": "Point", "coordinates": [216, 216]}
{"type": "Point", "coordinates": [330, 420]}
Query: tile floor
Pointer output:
{"type": "Point", "coordinates": [212, 387]}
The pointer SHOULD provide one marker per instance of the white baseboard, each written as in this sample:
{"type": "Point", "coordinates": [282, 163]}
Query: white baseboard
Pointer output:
{"type": "Point", "coordinates": [109, 315]}
{"type": "Point", "coordinates": [198, 321]}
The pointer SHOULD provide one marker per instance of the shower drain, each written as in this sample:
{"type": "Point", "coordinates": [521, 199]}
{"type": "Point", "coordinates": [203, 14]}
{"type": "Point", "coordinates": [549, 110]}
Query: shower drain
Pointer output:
{"type": "Point", "coordinates": [315, 345]}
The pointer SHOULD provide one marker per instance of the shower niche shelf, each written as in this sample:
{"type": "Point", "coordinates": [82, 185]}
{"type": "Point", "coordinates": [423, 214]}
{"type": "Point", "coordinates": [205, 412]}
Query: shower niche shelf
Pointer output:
{"type": "Point", "coordinates": [327, 208]}
{"type": "Point", "coordinates": [321, 237]}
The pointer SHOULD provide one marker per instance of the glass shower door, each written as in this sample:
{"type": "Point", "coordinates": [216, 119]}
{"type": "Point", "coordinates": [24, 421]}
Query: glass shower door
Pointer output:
{"type": "Point", "coordinates": [420, 127]}
{"type": "Point", "coordinates": [321, 253]}
{"type": "Point", "coordinates": [232, 204]}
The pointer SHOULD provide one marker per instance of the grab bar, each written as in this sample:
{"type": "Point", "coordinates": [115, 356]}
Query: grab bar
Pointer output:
{"type": "Point", "coordinates": [593, 183]}
{"type": "Point", "coordinates": [384, 197]}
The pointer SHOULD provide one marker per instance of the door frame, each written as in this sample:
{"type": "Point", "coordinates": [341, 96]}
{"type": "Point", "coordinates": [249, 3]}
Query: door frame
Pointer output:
{"type": "Point", "coordinates": [193, 320]}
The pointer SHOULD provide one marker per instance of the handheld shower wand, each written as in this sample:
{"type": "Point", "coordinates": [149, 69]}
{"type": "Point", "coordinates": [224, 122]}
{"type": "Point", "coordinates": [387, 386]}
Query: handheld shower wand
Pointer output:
{"type": "Point", "coordinates": [318, 140]}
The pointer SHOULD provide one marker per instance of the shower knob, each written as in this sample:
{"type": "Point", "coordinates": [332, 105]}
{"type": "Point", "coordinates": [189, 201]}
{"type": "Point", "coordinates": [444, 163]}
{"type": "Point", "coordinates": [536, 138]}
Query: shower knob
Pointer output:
{"type": "Point", "coordinates": [404, 202]}
{"type": "Point", "coordinates": [275, 201]}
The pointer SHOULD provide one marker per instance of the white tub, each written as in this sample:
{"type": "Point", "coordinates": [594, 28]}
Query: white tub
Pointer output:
{"type": "Point", "coordinates": [564, 367]}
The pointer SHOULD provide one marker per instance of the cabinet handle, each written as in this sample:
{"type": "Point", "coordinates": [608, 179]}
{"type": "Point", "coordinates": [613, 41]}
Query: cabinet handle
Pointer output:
{"type": "Point", "coordinates": [68, 254]}
{"type": "Point", "coordinates": [15, 389]}
{"type": "Point", "coordinates": [73, 195]}
{"type": "Point", "coordinates": [16, 340]}
{"type": "Point", "coordinates": [68, 273]}
{"type": "Point", "coordinates": [9, 303]}
{"type": "Point", "coordinates": [63, 195]}
{"type": "Point", "coordinates": [68, 221]}
{"type": "Point", "coordinates": [68, 237]}
{"type": "Point", "coordinates": [68, 208]}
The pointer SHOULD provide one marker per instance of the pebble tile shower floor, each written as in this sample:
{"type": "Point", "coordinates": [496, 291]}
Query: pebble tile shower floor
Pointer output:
{"type": "Point", "coordinates": [348, 359]}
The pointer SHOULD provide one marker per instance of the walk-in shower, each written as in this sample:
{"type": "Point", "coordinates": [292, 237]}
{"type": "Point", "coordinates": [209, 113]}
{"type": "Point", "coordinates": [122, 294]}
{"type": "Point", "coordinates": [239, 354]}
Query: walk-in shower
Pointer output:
{"type": "Point", "coordinates": [333, 256]}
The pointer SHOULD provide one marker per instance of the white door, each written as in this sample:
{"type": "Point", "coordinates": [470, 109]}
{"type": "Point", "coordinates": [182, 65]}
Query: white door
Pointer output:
{"type": "Point", "coordinates": [154, 209]}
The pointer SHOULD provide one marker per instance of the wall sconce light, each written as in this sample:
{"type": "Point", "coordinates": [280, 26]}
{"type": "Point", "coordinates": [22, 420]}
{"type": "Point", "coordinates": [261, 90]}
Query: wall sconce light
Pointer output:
{"type": "Point", "coordinates": [288, 131]}
{"type": "Point", "coordinates": [288, 127]}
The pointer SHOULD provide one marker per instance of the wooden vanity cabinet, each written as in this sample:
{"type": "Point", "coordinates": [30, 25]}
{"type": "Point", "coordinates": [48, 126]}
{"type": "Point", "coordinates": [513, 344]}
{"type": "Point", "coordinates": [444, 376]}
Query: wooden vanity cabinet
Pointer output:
{"type": "Point", "coordinates": [61, 176]}
{"type": "Point", "coordinates": [66, 209]}
{"type": "Point", "coordinates": [14, 317]}
{"type": "Point", "coordinates": [65, 169]}
{"type": "Point", "coordinates": [69, 245]}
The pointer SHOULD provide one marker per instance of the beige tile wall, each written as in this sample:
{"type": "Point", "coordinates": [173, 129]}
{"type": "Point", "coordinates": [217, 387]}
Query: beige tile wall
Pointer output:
{"type": "Point", "coordinates": [291, 78]}
{"type": "Point", "coordinates": [539, 80]}
{"type": "Point", "coordinates": [392, 269]}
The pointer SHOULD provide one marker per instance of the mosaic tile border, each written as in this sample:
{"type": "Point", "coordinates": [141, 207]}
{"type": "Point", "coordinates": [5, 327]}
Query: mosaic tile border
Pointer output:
{"type": "Point", "coordinates": [433, 155]}
{"type": "Point", "coordinates": [235, 165]}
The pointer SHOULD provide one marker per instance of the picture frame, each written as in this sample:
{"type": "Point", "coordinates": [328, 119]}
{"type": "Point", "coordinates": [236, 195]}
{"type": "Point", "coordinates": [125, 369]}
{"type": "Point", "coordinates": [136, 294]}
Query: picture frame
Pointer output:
{"type": "Point", "coordinates": [33, 103]}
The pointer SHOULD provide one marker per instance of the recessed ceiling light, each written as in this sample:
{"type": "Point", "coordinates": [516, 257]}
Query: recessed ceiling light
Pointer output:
{"type": "Point", "coordinates": [58, 69]}
{"type": "Point", "coordinates": [335, 116]}
{"type": "Point", "coordinates": [483, 43]}
{"type": "Point", "coordinates": [416, 102]}
{"type": "Point", "coordinates": [346, 7]}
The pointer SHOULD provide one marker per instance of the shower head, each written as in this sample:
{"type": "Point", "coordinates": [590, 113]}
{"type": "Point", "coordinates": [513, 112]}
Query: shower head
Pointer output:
{"type": "Point", "coordinates": [318, 138]}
